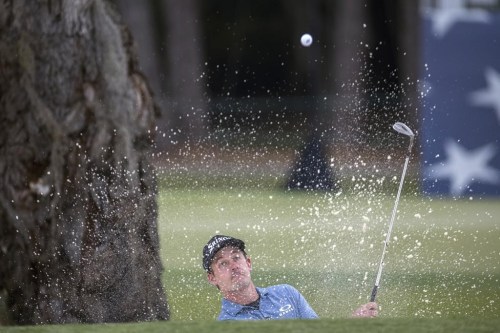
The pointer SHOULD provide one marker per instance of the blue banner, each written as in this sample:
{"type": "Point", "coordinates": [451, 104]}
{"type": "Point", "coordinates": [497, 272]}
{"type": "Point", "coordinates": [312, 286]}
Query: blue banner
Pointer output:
{"type": "Point", "coordinates": [460, 132]}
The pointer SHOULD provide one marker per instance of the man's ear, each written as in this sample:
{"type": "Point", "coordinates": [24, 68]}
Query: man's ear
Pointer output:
{"type": "Point", "coordinates": [249, 263]}
{"type": "Point", "coordinates": [211, 279]}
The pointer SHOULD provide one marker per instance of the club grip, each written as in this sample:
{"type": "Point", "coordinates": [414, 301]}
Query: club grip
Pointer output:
{"type": "Point", "coordinates": [374, 293]}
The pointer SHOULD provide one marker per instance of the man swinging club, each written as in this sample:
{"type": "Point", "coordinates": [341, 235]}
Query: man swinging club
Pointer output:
{"type": "Point", "coordinates": [228, 268]}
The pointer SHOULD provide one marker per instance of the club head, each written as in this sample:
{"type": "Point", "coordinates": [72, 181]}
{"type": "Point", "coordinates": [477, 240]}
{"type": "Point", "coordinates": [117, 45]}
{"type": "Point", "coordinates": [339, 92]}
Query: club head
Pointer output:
{"type": "Point", "coordinates": [403, 129]}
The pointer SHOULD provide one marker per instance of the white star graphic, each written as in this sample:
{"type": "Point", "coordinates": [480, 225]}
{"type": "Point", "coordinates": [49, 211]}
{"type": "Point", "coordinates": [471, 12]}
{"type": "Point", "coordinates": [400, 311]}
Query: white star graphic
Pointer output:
{"type": "Point", "coordinates": [448, 12]}
{"type": "Point", "coordinates": [489, 96]}
{"type": "Point", "coordinates": [464, 167]}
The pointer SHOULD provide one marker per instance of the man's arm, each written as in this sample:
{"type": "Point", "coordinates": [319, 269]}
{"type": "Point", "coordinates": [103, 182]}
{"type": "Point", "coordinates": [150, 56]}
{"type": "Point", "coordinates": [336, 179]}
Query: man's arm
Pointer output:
{"type": "Point", "coordinates": [303, 307]}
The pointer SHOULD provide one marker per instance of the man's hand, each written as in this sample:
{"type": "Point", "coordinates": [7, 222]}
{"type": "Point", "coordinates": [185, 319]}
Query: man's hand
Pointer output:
{"type": "Point", "coordinates": [368, 310]}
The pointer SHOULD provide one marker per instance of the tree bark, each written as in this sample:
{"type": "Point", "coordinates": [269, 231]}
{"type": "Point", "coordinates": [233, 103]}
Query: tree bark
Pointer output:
{"type": "Point", "coordinates": [78, 237]}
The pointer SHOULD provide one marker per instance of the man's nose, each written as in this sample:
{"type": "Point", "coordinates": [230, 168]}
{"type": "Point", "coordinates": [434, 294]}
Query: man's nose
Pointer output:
{"type": "Point", "coordinates": [233, 265]}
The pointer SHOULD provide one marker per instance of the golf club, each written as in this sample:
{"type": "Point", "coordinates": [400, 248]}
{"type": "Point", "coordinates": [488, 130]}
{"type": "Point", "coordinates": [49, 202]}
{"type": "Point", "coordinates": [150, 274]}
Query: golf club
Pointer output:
{"type": "Point", "coordinates": [405, 130]}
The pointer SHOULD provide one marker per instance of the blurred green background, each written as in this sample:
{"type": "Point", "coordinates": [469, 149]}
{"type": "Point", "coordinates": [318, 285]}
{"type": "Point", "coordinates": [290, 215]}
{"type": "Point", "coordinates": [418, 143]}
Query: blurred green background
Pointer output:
{"type": "Point", "coordinates": [443, 260]}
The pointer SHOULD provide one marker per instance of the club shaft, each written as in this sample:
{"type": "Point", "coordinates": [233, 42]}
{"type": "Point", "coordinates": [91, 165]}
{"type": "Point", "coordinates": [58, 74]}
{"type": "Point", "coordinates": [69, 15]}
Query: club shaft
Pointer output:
{"type": "Point", "coordinates": [388, 236]}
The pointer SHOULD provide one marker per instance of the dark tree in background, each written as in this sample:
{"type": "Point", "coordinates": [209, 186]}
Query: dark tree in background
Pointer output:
{"type": "Point", "coordinates": [374, 65]}
{"type": "Point", "coordinates": [187, 121]}
{"type": "Point", "coordinates": [78, 213]}
{"type": "Point", "coordinates": [168, 34]}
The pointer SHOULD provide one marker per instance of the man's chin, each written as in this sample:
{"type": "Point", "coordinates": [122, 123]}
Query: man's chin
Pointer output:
{"type": "Point", "coordinates": [240, 283]}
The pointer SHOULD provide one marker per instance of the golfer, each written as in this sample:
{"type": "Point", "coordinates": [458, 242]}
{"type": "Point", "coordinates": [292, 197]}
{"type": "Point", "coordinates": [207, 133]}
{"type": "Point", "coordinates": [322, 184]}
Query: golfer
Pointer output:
{"type": "Point", "coordinates": [228, 268]}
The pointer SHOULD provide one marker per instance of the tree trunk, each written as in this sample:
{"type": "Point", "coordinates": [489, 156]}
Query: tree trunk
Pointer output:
{"type": "Point", "coordinates": [78, 237]}
{"type": "Point", "coordinates": [408, 40]}
{"type": "Point", "coordinates": [346, 68]}
{"type": "Point", "coordinates": [140, 19]}
{"type": "Point", "coordinates": [188, 112]}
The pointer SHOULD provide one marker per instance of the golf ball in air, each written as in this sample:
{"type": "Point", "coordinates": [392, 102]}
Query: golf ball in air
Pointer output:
{"type": "Point", "coordinates": [306, 40]}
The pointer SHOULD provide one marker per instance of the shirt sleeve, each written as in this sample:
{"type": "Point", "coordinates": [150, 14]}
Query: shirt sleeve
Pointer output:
{"type": "Point", "coordinates": [303, 307]}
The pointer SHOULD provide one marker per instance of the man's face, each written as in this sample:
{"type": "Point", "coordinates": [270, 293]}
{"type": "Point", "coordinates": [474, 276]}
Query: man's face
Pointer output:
{"type": "Point", "coordinates": [230, 270]}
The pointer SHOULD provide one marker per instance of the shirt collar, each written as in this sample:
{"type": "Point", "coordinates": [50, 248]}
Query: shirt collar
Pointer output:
{"type": "Point", "coordinates": [234, 308]}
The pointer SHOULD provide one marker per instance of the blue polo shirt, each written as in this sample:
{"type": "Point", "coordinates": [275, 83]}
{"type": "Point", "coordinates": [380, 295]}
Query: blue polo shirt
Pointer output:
{"type": "Point", "coordinates": [276, 302]}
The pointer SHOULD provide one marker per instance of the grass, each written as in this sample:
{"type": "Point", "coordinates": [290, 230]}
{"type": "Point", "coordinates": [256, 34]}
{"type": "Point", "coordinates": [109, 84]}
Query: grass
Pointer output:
{"type": "Point", "coordinates": [289, 326]}
{"type": "Point", "coordinates": [443, 260]}
{"type": "Point", "coordinates": [442, 270]}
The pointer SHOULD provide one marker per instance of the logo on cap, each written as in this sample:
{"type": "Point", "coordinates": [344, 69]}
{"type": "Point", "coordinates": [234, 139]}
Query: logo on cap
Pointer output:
{"type": "Point", "coordinates": [216, 243]}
